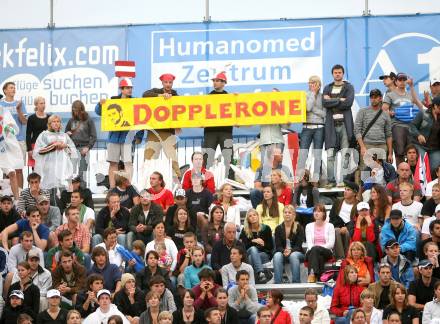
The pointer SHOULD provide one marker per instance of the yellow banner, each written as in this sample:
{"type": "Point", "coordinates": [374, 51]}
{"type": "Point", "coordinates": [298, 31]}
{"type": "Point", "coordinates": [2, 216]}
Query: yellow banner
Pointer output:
{"type": "Point", "coordinates": [204, 111]}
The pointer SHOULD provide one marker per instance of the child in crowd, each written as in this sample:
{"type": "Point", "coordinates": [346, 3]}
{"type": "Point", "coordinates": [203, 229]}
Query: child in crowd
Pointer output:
{"type": "Point", "coordinates": [165, 260]}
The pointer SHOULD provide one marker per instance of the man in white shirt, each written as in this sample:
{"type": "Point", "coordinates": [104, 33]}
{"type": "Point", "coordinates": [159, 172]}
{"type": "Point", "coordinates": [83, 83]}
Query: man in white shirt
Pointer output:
{"type": "Point", "coordinates": [105, 310]}
{"type": "Point", "coordinates": [425, 228]}
{"type": "Point", "coordinates": [320, 314]}
{"type": "Point", "coordinates": [411, 210]}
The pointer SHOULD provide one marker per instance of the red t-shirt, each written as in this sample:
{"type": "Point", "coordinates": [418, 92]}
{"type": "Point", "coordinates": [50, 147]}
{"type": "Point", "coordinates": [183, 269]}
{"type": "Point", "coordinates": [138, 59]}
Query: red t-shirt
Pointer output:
{"type": "Point", "coordinates": [164, 197]}
{"type": "Point", "coordinates": [286, 196]}
{"type": "Point", "coordinates": [208, 182]}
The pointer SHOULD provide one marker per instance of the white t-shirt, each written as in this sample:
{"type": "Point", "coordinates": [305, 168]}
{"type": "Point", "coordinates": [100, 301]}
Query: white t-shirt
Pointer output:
{"type": "Point", "coordinates": [426, 223]}
{"type": "Point", "coordinates": [345, 212]}
{"type": "Point", "coordinates": [303, 201]}
{"type": "Point", "coordinates": [429, 187]}
{"type": "Point", "coordinates": [411, 213]}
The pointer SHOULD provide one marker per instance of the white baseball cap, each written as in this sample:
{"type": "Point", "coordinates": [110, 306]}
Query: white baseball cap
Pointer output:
{"type": "Point", "coordinates": [53, 293]}
{"type": "Point", "coordinates": [362, 205]}
{"type": "Point", "coordinates": [17, 293]}
{"type": "Point", "coordinates": [103, 292]}
{"type": "Point", "coordinates": [434, 80]}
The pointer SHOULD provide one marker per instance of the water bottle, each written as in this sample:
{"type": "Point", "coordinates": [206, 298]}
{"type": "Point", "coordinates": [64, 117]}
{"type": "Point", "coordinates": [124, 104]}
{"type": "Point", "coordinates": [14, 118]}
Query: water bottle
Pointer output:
{"type": "Point", "coordinates": [288, 244]}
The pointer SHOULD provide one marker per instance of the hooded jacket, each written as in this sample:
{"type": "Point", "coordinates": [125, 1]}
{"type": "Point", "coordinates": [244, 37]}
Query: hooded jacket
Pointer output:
{"type": "Point", "coordinates": [406, 237]}
{"type": "Point", "coordinates": [345, 296]}
{"type": "Point", "coordinates": [99, 317]}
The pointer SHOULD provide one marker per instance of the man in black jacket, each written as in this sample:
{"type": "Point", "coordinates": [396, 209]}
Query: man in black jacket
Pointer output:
{"type": "Point", "coordinates": [8, 215]}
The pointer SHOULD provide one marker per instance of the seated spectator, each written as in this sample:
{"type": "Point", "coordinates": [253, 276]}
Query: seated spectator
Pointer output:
{"type": "Point", "coordinates": [274, 302]}
{"type": "Point", "coordinates": [191, 272]}
{"type": "Point", "coordinates": [8, 216]}
{"type": "Point", "coordinates": [225, 199]}
{"type": "Point", "coordinates": [126, 192]}
{"type": "Point", "coordinates": [110, 245]}
{"type": "Point", "coordinates": [205, 290]}
{"type": "Point", "coordinates": [402, 231]}
{"type": "Point", "coordinates": [166, 298]}
{"type": "Point", "coordinates": [258, 242]}
{"type": "Point", "coordinates": [113, 214]}
{"type": "Point", "coordinates": [165, 317]}
{"type": "Point", "coordinates": [372, 314]}
{"type": "Point", "coordinates": [264, 315]}
{"type": "Point", "coordinates": [212, 316]}
{"type": "Point", "coordinates": [130, 300]}
{"type": "Point", "coordinates": [405, 175]}
{"type": "Point", "coordinates": [305, 195]}
{"type": "Point", "coordinates": [87, 301]}
{"type": "Point", "coordinates": [188, 313]}
{"type": "Point", "coordinates": [80, 232]}
{"type": "Point", "coordinates": [165, 259]}
{"type": "Point", "coordinates": [289, 237]}
{"type": "Point", "coordinates": [159, 237]}
{"type": "Point", "coordinates": [320, 314]}
{"type": "Point", "coordinates": [86, 195]}
{"type": "Point", "coordinates": [431, 253]}
{"type": "Point", "coordinates": [184, 259]}
{"type": "Point", "coordinates": [228, 314]}
{"type": "Point", "coordinates": [357, 257]}
{"type": "Point", "coordinates": [434, 230]}
{"type": "Point", "coordinates": [399, 304]}
{"type": "Point", "coordinates": [320, 239]}
{"type": "Point", "coordinates": [74, 317]}
{"type": "Point", "coordinates": [422, 289]}
{"type": "Point", "coordinates": [381, 289]}
{"type": "Point", "coordinates": [86, 214]}
{"type": "Point", "coordinates": [229, 271]}
{"type": "Point", "coordinates": [431, 310]}
{"type": "Point", "coordinates": [411, 156]}
{"type": "Point", "coordinates": [411, 210]}
{"type": "Point", "coordinates": [426, 228]}
{"type": "Point", "coordinates": [346, 295]}
{"type": "Point", "coordinates": [342, 217]}
{"type": "Point", "coordinates": [221, 251]}
{"type": "Point", "coordinates": [151, 270]}
{"type": "Point", "coordinates": [54, 313]}
{"type": "Point", "coordinates": [151, 314]}
{"type": "Point", "coordinates": [50, 216]}
{"type": "Point", "coordinates": [102, 266]}
{"type": "Point", "coordinates": [198, 200]}
{"type": "Point", "coordinates": [30, 291]}
{"type": "Point", "coordinates": [366, 232]}
{"type": "Point", "coordinates": [142, 218]}
{"type": "Point", "coordinates": [179, 201]}
{"type": "Point", "coordinates": [15, 307]}
{"type": "Point", "coordinates": [380, 207]}
{"type": "Point", "coordinates": [243, 298]}
{"type": "Point", "coordinates": [32, 223]}
{"type": "Point", "coordinates": [284, 192]}
{"type": "Point", "coordinates": [401, 268]}
{"type": "Point", "coordinates": [430, 204]}
{"type": "Point", "coordinates": [66, 243]}
{"type": "Point", "coordinates": [197, 161]}
{"type": "Point", "coordinates": [270, 210]}
{"type": "Point", "coordinates": [138, 248]}
{"type": "Point", "coordinates": [263, 175]}
{"type": "Point", "coordinates": [181, 225]}
{"type": "Point", "coordinates": [430, 185]}
{"type": "Point", "coordinates": [69, 277]}
{"type": "Point", "coordinates": [306, 315]}
{"type": "Point", "coordinates": [105, 309]}
{"type": "Point", "coordinates": [358, 316]}
{"type": "Point", "coordinates": [213, 231]}
{"type": "Point", "coordinates": [160, 195]}
{"type": "Point", "coordinates": [28, 196]}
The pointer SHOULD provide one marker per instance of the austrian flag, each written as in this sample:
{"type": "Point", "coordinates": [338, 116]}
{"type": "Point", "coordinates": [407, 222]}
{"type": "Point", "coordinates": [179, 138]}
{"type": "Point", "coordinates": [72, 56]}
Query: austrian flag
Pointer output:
{"type": "Point", "coordinates": [125, 69]}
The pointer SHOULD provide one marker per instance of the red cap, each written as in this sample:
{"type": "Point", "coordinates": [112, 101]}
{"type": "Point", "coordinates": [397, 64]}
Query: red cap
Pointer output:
{"type": "Point", "coordinates": [125, 82]}
{"type": "Point", "coordinates": [220, 76]}
{"type": "Point", "coordinates": [167, 77]}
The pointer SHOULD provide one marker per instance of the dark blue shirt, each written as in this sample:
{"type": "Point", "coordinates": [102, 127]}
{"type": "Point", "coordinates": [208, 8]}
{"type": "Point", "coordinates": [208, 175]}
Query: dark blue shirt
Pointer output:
{"type": "Point", "coordinates": [24, 225]}
{"type": "Point", "coordinates": [111, 273]}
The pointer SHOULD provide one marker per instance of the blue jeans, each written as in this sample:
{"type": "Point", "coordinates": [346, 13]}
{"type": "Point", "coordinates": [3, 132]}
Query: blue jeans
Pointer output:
{"type": "Point", "coordinates": [341, 134]}
{"type": "Point", "coordinates": [434, 158]}
{"type": "Point", "coordinates": [256, 197]}
{"type": "Point", "coordinates": [307, 137]}
{"type": "Point", "coordinates": [257, 258]}
{"type": "Point", "coordinates": [295, 258]}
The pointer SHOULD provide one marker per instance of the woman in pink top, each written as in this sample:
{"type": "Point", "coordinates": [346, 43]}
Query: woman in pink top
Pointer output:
{"type": "Point", "coordinates": [320, 239]}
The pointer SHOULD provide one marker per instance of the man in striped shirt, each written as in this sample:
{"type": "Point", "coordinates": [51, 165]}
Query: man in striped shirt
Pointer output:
{"type": "Point", "coordinates": [28, 197]}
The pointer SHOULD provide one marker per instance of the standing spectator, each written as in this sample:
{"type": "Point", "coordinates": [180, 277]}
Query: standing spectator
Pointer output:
{"type": "Point", "coordinates": [213, 231]}
{"type": "Point", "coordinates": [142, 218]}
{"type": "Point", "coordinates": [86, 195]}
{"type": "Point", "coordinates": [320, 239]}
{"type": "Point", "coordinates": [199, 199]}
{"type": "Point", "coordinates": [226, 200]}
{"type": "Point", "coordinates": [118, 145]}
{"type": "Point", "coordinates": [337, 98]}
{"type": "Point", "coordinates": [366, 232]}
{"type": "Point", "coordinates": [151, 269]}
{"type": "Point", "coordinates": [425, 132]}
{"type": "Point", "coordinates": [399, 304]}
{"type": "Point", "coordinates": [372, 130]}
{"type": "Point", "coordinates": [221, 250]}
{"type": "Point", "coordinates": [86, 301]}
{"type": "Point", "coordinates": [305, 195]}
{"type": "Point", "coordinates": [258, 242]}
{"type": "Point", "coordinates": [86, 214]}
{"type": "Point", "coordinates": [192, 271]}
{"type": "Point", "coordinates": [400, 231]}
{"type": "Point", "coordinates": [80, 232]}
{"type": "Point", "coordinates": [389, 80]}
{"type": "Point", "coordinates": [313, 128]}
{"type": "Point", "coordinates": [270, 210]}
{"type": "Point", "coordinates": [373, 315]}
{"type": "Point", "coordinates": [320, 314]}
{"type": "Point", "coordinates": [289, 238]}
{"type": "Point", "coordinates": [163, 138]}
{"type": "Point", "coordinates": [130, 300]}
{"type": "Point", "coordinates": [102, 266]}
{"type": "Point", "coordinates": [399, 105]}
{"type": "Point", "coordinates": [228, 314]}
{"type": "Point", "coordinates": [179, 201]}
{"type": "Point", "coordinates": [342, 216]}
{"type": "Point", "coordinates": [381, 289]}
{"type": "Point", "coordinates": [284, 192]}
{"type": "Point", "coordinates": [105, 311]}
{"type": "Point", "coordinates": [28, 196]}
{"type": "Point", "coordinates": [113, 214]}
{"type": "Point", "coordinates": [188, 314]}
{"type": "Point", "coordinates": [401, 269]}
{"type": "Point", "coordinates": [357, 258]}
{"type": "Point", "coordinates": [431, 310]}
{"type": "Point", "coordinates": [123, 187]}
{"type": "Point", "coordinates": [274, 302]}
{"type": "Point", "coordinates": [197, 162]}
{"type": "Point", "coordinates": [54, 313]}
{"type": "Point", "coordinates": [243, 297]}
{"type": "Point", "coordinates": [181, 226]}
{"type": "Point", "coordinates": [380, 206]}
{"type": "Point", "coordinates": [411, 210]}
{"type": "Point", "coordinates": [422, 290]}
{"type": "Point", "coordinates": [229, 271]}
{"type": "Point", "coordinates": [205, 290]}
{"type": "Point", "coordinates": [36, 124]}
{"type": "Point", "coordinates": [8, 215]}
{"type": "Point", "coordinates": [160, 195]}
{"type": "Point", "coordinates": [82, 131]}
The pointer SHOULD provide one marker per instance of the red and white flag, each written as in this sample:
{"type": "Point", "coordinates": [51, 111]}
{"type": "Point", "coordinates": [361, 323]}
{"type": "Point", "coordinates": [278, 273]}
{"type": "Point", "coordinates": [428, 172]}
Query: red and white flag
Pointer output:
{"type": "Point", "coordinates": [125, 69]}
{"type": "Point", "coordinates": [422, 172]}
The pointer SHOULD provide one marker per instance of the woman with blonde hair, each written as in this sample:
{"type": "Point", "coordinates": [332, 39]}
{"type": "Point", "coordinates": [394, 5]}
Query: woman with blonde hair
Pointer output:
{"type": "Point", "coordinates": [313, 129]}
{"type": "Point", "coordinates": [357, 257]}
{"type": "Point", "coordinates": [284, 192]}
{"type": "Point", "coordinates": [372, 314]}
{"type": "Point", "coordinates": [257, 239]}
{"type": "Point", "coordinates": [36, 124]}
{"type": "Point", "coordinates": [226, 200]}
{"type": "Point", "coordinates": [289, 237]}
{"type": "Point", "coordinates": [73, 317]}
{"type": "Point", "coordinates": [165, 317]}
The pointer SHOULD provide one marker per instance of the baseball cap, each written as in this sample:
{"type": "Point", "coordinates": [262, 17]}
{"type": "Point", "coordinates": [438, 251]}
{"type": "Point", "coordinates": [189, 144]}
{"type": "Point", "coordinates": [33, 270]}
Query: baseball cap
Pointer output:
{"type": "Point", "coordinates": [391, 243]}
{"type": "Point", "coordinates": [353, 186]}
{"type": "Point", "coordinates": [53, 293]}
{"type": "Point", "coordinates": [375, 93]}
{"type": "Point", "coordinates": [103, 292]}
{"type": "Point", "coordinates": [33, 254]}
{"type": "Point", "coordinates": [424, 263]}
{"type": "Point", "coordinates": [180, 193]}
{"type": "Point", "coordinates": [401, 75]}
{"type": "Point", "coordinates": [6, 197]}
{"type": "Point", "coordinates": [17, 293]}
{"type": "Point", "coordinates": [391, 75]}
{"type": "Point", "coordinates": [363, 205]}
{"type": "Point", "coordinates": [395, 213]}
{"type": "Point", "coordinates": [434, 80]}
{"type": "Point", "coordinates": [436, 101]}
{"type": "Point", "coordinates": [42, 198]}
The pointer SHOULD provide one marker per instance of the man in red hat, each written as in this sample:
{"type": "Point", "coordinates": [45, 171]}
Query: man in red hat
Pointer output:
{"type": "Point", "coordinates": [163, 137]}
{"type": "Point", "coordinates": [221, 135]}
